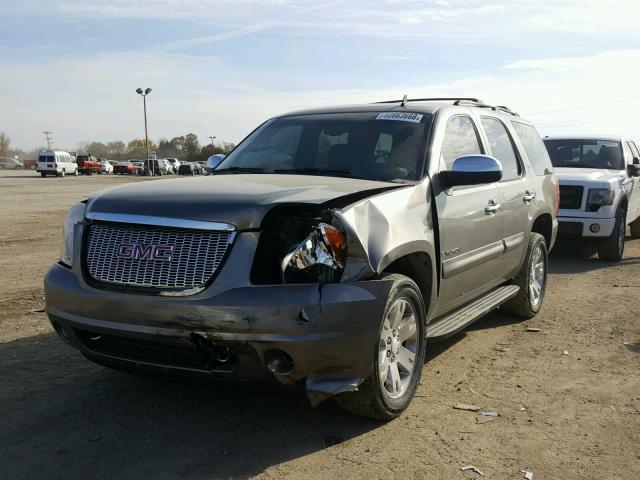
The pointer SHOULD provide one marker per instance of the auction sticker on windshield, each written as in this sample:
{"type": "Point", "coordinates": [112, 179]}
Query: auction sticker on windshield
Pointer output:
{"type": "Point", "coordinates": [400, 116]}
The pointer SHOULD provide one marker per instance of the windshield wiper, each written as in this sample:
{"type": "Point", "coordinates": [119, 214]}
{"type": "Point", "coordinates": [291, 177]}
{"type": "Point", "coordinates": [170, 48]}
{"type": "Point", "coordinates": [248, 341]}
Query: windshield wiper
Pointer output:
{"type": "Point", "coordinates": [318, 171]}
{"type": "Point", "coordinates": [237, 170]}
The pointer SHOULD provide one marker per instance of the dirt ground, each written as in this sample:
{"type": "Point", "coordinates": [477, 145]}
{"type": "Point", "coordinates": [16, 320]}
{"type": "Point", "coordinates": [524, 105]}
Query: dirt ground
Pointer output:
{"type": "Point", "coordinates": [568, 396]}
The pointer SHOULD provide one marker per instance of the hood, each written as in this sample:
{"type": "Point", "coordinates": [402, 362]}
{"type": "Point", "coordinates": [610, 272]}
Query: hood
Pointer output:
{"type": "Point", "coordinates": [241, 200]}
{"type": "Point", "coordinates": [582, 175]}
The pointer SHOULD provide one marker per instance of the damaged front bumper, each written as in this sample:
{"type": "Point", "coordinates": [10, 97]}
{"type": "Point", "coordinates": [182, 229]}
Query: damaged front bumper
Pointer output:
{"type": "Point", "coordinates": [323, 336]}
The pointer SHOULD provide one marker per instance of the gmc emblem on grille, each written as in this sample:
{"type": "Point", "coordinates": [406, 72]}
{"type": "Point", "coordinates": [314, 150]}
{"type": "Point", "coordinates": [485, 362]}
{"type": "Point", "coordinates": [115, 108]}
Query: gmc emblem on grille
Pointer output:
{"type": "Point", "coordinates": [140, 251]}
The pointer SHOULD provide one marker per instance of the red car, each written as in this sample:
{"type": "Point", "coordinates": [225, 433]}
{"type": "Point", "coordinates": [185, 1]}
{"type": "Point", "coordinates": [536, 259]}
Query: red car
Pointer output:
{"type": "Point", "coordinates": [125, 168]}
{"type": "Point", "coordinates": [88, 164]}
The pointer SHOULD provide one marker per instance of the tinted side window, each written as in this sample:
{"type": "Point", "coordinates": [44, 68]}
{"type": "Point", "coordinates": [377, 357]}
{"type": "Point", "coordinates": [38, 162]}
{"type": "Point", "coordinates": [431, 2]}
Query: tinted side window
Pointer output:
{"type": "Point", "coordinates": [460, 139]}
{"type": "Point", "coordinates": [502, 148]}
{"type": "Point", "coordinates": [534, 148]}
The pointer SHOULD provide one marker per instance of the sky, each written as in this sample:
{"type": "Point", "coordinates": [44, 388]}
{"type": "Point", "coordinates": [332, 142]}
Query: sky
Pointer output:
{"type": "Point", "coordinates": [221, 67]}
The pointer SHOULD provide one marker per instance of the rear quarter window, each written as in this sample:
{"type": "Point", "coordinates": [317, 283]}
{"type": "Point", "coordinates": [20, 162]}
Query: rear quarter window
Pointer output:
{"type": "Point", "coordinates": [534, 148]}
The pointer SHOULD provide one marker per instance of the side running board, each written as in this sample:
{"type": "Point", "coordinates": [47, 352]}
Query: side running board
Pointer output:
{"type": "Point", "coordinates": [459, 319]}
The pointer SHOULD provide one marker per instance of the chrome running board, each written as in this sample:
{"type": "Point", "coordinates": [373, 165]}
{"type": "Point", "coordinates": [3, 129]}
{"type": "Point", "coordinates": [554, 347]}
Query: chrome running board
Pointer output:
{"type": "Point", "coordinates": [459, 319]}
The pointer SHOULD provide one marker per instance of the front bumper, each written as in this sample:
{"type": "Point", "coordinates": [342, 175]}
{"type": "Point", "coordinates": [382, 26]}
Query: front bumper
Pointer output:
{"type": "Point", "coordinates": [329, 333]}
{"type": "Point", "coordinates": [581, 227]}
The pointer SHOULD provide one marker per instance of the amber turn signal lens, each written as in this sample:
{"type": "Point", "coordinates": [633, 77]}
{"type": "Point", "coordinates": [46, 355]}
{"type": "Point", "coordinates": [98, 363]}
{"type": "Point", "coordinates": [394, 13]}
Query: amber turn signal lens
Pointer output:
{"type": "Point", "coordinates": [336, 241]}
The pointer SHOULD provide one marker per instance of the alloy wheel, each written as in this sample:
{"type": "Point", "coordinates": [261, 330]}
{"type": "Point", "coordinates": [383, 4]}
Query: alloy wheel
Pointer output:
{"type": "Point", "coordinates": [397, 348]}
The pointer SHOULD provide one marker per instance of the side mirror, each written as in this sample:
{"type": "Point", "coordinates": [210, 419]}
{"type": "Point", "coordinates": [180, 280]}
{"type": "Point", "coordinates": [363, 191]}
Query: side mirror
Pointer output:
{"type": "Point", "coordinates": [633, 170]}
{"type": "Point", "coordinates": [472, 170]}
{"type": "Point", "coordinates": [213, 161]}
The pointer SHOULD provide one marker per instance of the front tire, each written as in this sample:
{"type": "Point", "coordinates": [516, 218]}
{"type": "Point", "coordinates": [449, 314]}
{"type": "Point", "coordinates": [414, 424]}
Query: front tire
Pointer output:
{"type": "Point", "coordinates": [532, 280]}
{"type": "Point", "coordinates": [398, 356]}
{"type": "Point", "coordinates": [611, 249]}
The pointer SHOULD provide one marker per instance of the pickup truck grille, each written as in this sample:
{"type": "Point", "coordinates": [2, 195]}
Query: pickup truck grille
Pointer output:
{"type": "Point", "coordinates": [153, 257]}
{"type": "Point", "coordinates": [570, 196]}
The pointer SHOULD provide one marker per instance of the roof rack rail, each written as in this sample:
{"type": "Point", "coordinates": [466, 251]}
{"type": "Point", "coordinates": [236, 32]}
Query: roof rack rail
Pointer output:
{"type": "Point", "coordinates": [435, 99]}
{"type": "Point", "coordinates": [456, 101]}
{"type": "Point", "coordinates": [500, 108]}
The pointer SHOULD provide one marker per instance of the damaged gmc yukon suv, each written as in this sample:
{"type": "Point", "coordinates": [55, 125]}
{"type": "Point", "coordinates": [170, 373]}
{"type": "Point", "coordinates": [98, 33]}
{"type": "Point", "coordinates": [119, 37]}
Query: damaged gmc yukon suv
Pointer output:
{"type": "Point", "coordinates": [326, 250]}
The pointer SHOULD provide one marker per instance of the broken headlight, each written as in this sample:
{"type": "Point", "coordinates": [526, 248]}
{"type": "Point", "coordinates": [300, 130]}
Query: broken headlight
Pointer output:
{"type": "Point", "coordinates": [318, 258]}
{"type": "Point", "coordinates": [74, 216]}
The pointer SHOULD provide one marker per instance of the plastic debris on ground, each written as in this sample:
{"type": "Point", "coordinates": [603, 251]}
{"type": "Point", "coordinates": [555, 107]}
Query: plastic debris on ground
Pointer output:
{"type": "Point", "coordinates": [490, 414]}
{"type": "Point", "coordinates": [532, 329]}
{"type": "Point", "coordinates": [527, 475]}
{"type": "Point", "coordinates": [473, 469]}
{"type": "Point", "coordinates": [464, 406]}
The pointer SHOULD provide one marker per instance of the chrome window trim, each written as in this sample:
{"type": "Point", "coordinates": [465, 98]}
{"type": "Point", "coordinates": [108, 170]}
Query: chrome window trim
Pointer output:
{"type": "Point", "coordinates": [160, 221]}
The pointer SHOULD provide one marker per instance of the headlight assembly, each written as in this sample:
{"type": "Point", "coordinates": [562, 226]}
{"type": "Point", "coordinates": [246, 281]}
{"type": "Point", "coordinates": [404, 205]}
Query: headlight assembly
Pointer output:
{"type": "Point", "coordinates": [74, 216]}
{"type": "Point", "coordinates": [318, 258]}
{"type": "Point", "coordinates": [599, 197]}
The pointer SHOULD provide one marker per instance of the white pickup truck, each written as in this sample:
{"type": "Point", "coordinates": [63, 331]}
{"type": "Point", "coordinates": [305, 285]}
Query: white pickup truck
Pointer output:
{"type": "Point", "coordinates": [599, 191]}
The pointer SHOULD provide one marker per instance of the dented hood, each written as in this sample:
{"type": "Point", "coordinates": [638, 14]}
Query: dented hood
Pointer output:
{"type": "Point", "coordinates": [241, 200]}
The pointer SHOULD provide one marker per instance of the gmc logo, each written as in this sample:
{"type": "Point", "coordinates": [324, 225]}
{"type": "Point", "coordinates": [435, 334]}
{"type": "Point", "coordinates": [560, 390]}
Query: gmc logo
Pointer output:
{"type": "Point", "coordinates": [140, 251]}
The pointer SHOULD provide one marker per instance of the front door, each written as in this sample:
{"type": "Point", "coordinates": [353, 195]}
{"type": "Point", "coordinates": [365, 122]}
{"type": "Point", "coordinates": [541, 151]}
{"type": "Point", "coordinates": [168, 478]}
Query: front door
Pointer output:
{"type": "Point", "coordinates": [471, 230]}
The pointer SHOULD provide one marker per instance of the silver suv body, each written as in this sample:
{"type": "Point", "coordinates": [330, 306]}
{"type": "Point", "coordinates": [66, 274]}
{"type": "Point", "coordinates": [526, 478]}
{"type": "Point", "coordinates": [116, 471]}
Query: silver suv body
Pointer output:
{"type": "Point", "coordinates": [325, 250]}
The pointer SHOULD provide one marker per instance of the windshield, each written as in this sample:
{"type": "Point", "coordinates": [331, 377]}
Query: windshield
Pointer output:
{"type": "Point", "coordinates": [591, 153]}
{"type": "Point", "coordinates": [386, 146]}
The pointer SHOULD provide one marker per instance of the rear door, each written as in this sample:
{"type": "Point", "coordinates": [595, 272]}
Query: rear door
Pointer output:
{"type": "Point", "coordinates": [516, 193]}
{"type": "Point", "coordinates": [470, 231]}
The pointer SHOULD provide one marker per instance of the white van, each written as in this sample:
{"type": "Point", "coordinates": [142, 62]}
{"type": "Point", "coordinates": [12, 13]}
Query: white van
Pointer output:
{"type": "Point", "coordinates": [58, 163]}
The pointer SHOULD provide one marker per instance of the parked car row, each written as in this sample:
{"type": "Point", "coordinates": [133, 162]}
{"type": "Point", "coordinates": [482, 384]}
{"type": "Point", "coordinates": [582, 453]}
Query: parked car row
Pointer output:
{"type": "Point", "coordinates": [60, 163]}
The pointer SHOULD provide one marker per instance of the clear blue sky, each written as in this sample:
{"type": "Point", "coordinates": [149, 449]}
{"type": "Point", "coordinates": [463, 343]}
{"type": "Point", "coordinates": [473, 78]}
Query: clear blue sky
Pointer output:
{"type": "Point", "coordinates": [221, 67]}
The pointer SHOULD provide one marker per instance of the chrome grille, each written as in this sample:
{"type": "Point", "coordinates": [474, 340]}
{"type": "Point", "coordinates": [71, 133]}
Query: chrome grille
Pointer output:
{"type": "Point", "coordinates": [195, 258]}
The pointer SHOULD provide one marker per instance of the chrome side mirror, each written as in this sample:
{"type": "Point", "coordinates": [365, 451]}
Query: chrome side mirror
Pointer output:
{"type": "Point", "coordinates": [472, 170]}
{"type": "Point", "coordinates": [213, 161]}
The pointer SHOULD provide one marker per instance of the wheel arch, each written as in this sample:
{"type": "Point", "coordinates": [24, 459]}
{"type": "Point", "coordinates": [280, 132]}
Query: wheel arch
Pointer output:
{"type": "Point", "coordinates": [416, 262]}
{"type": "Point", "coordinates": [543, 224]}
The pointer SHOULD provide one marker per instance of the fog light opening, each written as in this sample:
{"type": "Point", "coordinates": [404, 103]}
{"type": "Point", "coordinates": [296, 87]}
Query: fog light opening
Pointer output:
{"type": "Point", "coordinates": [278, 362]}
{"type": "Point", "coordinates": [223, 354]}
{"type": "Point", "coordinates": [594, 227]}
{"type": "Point", "coordinates": [61, 332]}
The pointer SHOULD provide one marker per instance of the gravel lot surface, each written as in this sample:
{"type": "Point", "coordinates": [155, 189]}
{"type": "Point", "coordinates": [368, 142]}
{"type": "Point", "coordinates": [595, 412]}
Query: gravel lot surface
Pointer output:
{"type": "Point", "coordinates": [568, 396]}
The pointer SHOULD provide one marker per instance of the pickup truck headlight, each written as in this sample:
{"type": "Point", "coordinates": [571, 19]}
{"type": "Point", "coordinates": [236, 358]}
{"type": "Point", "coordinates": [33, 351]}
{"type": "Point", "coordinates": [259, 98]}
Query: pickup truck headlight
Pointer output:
{"type": "Point", "coordinates": [318, 258]}
{"type": "Point", "coordinates": [599, 197]}
{"type": "Point", "coordinates": [74, 216]}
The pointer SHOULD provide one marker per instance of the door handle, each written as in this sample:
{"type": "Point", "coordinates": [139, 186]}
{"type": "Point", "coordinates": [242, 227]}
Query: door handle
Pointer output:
{"type": "Point", "coordinates": [528, 196]}
{"type": "Point", "coordinates": [493, 207]}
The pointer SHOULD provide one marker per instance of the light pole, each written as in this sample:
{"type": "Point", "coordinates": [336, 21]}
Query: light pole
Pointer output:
{"type": "Point", "coordinates": [146, 135]}
{"type": "Point", "coordinates": [212, 139]}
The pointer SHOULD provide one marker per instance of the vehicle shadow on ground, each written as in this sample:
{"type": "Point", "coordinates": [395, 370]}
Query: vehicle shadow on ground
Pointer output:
{"type": "Point", "coordinates": [64, 417]}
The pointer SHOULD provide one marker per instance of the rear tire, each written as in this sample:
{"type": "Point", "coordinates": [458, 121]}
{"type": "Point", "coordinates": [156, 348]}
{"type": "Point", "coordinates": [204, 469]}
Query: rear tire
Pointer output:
{"type": "Point", "coordinates": [611, 249]}
{"type": "Point", "coordinates": [401, 342]}
{"type": "Point", "coordinates": [62, 173]}
{"type": "Point", "coordinates": [532, 280]}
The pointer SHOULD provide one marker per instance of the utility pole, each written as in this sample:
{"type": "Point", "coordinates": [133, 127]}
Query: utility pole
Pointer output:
{"type": "Point", "coordinates": [146, 135]}
{"type": "Point", "coordinates": [212, 139]}
{"type": "Point", "coordinates": [47, 135]}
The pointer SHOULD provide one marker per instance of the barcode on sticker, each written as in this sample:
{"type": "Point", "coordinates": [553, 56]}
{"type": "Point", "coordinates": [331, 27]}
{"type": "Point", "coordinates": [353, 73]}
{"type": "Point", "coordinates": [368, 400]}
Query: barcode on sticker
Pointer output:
{"type": "Point", "coordinates": [400, 116]}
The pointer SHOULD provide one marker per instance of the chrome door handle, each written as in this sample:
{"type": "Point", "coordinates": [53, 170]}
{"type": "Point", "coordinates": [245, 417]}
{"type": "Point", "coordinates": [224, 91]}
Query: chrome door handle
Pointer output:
{"type": "Point", "coordinates": [493, 207]}
{"type": "Point", "coordinates": [528, 196]}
